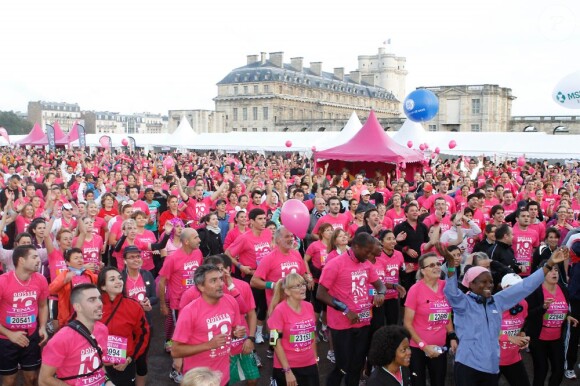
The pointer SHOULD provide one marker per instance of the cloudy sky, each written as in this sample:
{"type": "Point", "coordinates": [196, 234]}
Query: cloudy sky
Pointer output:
{"type": "Point", "coordinates": [134, 56]}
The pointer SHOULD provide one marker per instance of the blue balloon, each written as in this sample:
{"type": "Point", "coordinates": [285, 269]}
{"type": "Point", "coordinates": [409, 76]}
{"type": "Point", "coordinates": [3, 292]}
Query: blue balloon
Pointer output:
{"type": "Point", "coordinates": [421, 105]}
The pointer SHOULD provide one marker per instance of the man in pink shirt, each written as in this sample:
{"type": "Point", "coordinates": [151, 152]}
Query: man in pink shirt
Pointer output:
{"type": "Point", "coordinates": [344, 288]}
{"type": "Point", "coordinates": [525, 241]}
{"type": "Point", "coordinates": [196, 205]}
{"type": "Point", "coordinates": [442, 188]}
{"type": "Point", "coordinates": [178, 271]}
{"type": "Point", "coordinates": [283, 260]}
{"type": "Point", "coordinates": [70, 356]}
{"type": "Point", "coordinates": [535, 223]}
{"type": "Point", "coordinates": [509, 205]}
{"type": "Point", "coordinates": [23, 317]}
{"type": "Point", "coordinates": [204, 334]}
{"type": "Point", "coordinates": [441, 217]}
{"type": "Point", "coordinates": [334, 217]}
{"type": "Point", "coordinates": [489, 201]}
{"type": "Point", "coordinates": [247, 251]}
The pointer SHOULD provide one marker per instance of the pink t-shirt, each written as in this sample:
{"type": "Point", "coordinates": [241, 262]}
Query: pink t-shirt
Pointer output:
{"type": "Point", "coordinates": [277, 265]}
{"type": "Point", "coordinates": [393, 266]}
{"type": "Point", "coordinates": [297, 330]}
{"type": "Point", "coordinates": [91, 250]}
{"type": "Point", "coordinates": [232, 236]}
{"type": "Point", "coordinates": [554, 316]}
{"type": "Point", "coordinates": [22, 223]}
{"type": "Point", "coordinates": [432, 312]}
{"type": "Point", "coordinates": [511, 325]}
{"type": "Point", "coordinates": [524, 243]}
{"type": "Point", "coordinates": [243, 295]}
{"type": "Point", "coordinates": [396, 217]}
{"type": "Point", "coordinates": [72, 355]}
{"type": "Point", "coordinates": [198, 323]}
{"type": "Point", "coordinates": [340, 221]}
{"type": "Point", "coordinates": [19, 303]}
{"type": "Point", "coordinates": [445, 223]}
{"type": "Point", "coordinates": [252, 249]}
{"type": "Point", "coordinates": [56, 264]}
{"type": "Point", "coordinates": [347, 280]}
{"type": "Point", "coordinates": [141, 241]}
{"type": "Point", "coordinates": [135, 288]}
{"type": "Point", "coordinates": [318, 253]}
{"type": "Point", "coordinates": [179, 269]}
{"type": "Point", "coordinates": [195, 210]}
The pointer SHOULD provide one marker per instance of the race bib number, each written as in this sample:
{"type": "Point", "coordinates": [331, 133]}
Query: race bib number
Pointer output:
{"type": "Point", "coordinates": [116, 349]}
{"type": "Point", "coordinates": [20, 321]}
{"type": "Point", "coordinates": [438, 317]}
{"type": "Point", "coordinates": [187, 280]}
{"type": "Point", "coordinates": [301, 338]}
{"type": "Point", "coordinates": [365, 315]}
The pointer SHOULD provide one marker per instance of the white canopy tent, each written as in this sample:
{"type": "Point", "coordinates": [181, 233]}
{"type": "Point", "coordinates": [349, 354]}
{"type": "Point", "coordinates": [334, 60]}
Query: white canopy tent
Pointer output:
{"type": "Point", "coordinates": [350, 129]}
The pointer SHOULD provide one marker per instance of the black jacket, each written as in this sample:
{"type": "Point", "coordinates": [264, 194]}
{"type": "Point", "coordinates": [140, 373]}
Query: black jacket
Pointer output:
{"type": "Point", "coordinates": [483, 246]}
{"type": "Point", "coordinates": [380, 377]}
{"type": "Point", "coordinates": [504, 253]}
{"type": "Point", "coordinates": [536, 311]}
{"type": "Point", "coordinates": [211, 243]}
{"type": "Point", "coordinates": [415, 237]}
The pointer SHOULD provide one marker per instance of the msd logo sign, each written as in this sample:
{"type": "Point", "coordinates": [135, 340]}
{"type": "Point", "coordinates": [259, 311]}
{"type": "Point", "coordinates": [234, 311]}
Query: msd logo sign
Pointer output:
{"type": "Point", "coordinates": [567, 91]}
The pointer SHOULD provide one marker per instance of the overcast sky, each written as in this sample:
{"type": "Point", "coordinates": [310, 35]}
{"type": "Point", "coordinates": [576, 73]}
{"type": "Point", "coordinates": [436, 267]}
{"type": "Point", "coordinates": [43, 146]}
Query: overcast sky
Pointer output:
{"type": "Point", "coordinates": [134, 56]}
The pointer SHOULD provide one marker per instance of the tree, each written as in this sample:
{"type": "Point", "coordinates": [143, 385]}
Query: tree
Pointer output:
{"type": "Point", "coordinates": [14, 124]}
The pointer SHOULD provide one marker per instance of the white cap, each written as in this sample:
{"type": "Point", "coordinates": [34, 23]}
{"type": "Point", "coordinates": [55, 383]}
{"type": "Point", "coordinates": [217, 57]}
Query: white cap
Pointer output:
{"type": "Point", "coordinates": [365, 193]}
{"type": "Point", "coordinates": [510, 279]}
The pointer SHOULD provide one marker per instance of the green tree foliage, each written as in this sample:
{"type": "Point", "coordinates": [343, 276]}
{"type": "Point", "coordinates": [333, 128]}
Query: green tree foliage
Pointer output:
{"type": "Point", "coordinates": [14, 124]}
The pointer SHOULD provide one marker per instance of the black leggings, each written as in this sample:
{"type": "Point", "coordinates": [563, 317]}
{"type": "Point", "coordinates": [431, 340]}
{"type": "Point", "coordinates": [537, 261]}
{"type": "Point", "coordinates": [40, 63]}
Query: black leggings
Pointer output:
{"type": "Point", "coordinates": [391, 308]}
{"type": "Point", "coordinates": [468, 376]}
{"type": "Point", "coordinates": [437, 368]}
{"type": "Point", "coordinates": [305, 376]}
{"type": "Point", "coordinates": [260, 299]}
{"type": "Point", "coordinates": [125, 378]}
{"type": "Point", "coordinates": [573, 334]}
{"type": "Point", "coordinates": [515, 374]}
{"type": "Point", "coordinates": [350, 350]}
{"type": "Point", "coordinates": [543, 351]}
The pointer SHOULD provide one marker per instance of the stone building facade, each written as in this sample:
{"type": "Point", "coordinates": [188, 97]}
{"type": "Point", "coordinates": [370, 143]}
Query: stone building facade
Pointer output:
{"type": "Point", "coordinates": [476, 108]}
{"type": "Point", "coordinates": [106, 122]}
{"type": "Point", "coordinates": [269, 95]}
{"type": "Point", "coordinates": [66, 114]}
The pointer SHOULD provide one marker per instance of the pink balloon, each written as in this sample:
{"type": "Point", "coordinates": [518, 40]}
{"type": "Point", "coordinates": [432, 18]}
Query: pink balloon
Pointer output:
{"type": "Point", "coordinates": [521, 161]}
{"type": "Point", "coordinates": [433, 155]}
{"type": "Point", "coordinates": [295, 217]}
{"type": "Point", "coordinates": [437, 150]}
{"type": "Point", "coordinates": [519, 179]}
{"type": "Point", "coordinates": [426, 146]}
{"type": "Point", "coordinates": [409, 144]}
{"type": "Point", "coordinates": [168, 162]}
{"type": "Point", "coordinates": [452, 144]}
{"type": "Point", "coordinates": [313, 148]}
{"type": "Point", "coordinates": [124, 142]}
{"type": "Point", "coordinates": [422, 147]}
{"type": "Point", "coordinates": [288, 143]}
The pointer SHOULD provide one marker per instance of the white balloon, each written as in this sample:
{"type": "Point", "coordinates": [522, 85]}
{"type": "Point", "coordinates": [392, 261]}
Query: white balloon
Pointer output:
{"type": "Point", "coordinates": [567, 91]}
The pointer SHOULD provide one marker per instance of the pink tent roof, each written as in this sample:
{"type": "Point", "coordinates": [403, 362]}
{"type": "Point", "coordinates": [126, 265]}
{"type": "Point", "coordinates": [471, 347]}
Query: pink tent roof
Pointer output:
{"type": "Point", "coordinates": [73, 134]}
{"type": "Point", "coordinates": [59, 136]}
{"type": "Point", "coordinates": [35, 134]}
{"type": "Point", "coordinates": [371, 144]}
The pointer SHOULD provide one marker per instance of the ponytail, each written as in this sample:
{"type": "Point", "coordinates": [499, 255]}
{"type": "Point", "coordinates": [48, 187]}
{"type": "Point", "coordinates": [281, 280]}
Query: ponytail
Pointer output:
{"type": "Point", "coordinates": [278, 296]}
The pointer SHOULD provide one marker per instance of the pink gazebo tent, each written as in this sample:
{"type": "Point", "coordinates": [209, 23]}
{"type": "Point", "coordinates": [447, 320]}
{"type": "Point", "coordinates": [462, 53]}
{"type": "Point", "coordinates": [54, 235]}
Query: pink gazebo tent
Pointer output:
{"type": "Point", "coordinates": [60, 137]}
{"type": "Point", "coordinates": [35, 134]}
{"type": "Point", "coordinates": [371, 150]}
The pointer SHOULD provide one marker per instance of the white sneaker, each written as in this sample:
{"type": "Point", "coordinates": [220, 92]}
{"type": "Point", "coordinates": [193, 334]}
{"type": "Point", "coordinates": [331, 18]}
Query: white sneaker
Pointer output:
{"type": "Point", "coordinates": [176, 376]}
{"type": "Point", "coordinates": [330, 356]}
{"type": "Point", "coordinates": [259, 339]}
{"type": "Point", "coordinates": [570, 374]}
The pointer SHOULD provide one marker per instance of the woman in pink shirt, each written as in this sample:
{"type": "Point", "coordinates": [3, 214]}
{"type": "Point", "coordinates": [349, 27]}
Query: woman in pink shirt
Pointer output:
{"type": "Point", "coordinates": [338, 244]}
{"type": "Point", "coordinates": [428, 320]}
{"type": "Point", "coordinates": [292, 317]}
{"type": "Point", "coordinates": [396, 213]}
{"type": "Point", "coordinates": [394, 263]}
{"type": "Point", "coordinates": [548, 314]}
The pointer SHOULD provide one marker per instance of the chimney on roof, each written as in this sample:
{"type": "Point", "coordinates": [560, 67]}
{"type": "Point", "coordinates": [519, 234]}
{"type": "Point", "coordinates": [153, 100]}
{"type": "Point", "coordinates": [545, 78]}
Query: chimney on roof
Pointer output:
{"type": "Point", "coordinates": [263, 57]}
{"type": "Point", "coordinates": [339, 73]}
{"type": "Point", "coordinates": [277, 58]}
{"type": "Point", "coordinates": [316, 68]}
{"type": "Point", "coordinates": [369, 79]}
{"type": "Point", "coordinates": [252, 59]}
{"type": "Point", "coordinates": [355, 76]}
{"type": "Point", "coordinates": [297, 63]}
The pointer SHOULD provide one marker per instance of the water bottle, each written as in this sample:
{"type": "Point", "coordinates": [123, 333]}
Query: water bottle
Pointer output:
{"type": "Point", "coordinates": [439, 349]}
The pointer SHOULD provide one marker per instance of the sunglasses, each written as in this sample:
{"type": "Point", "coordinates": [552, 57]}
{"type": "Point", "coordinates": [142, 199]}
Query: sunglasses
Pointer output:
{"type": "Point", "coordinates": [433, 265]}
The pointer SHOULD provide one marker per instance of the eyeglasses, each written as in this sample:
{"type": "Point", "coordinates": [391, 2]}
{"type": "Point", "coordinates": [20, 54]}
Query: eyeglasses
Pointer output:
{"type": "Point", "coordinates": [298, 286]}
{"type": "Point", "coordinates": [432, 265]}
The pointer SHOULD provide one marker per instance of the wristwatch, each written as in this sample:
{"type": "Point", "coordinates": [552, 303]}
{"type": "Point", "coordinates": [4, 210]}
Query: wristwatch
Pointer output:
{"type": "Point", "coordinates": [252, 338]}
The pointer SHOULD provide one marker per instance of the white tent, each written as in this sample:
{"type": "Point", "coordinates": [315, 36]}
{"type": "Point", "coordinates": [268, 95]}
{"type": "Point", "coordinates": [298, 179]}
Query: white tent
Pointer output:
{"type": "Point", "coordinates": [183, 136]}
{"type": "Point", "coordinates": [349, 130]}
{"type": "Point", "coordinates": [411, 131]}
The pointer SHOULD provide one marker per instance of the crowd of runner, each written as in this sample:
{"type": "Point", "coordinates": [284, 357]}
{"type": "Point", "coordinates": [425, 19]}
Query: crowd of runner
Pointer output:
{"type": "Point", "coordinates": [482, 257]}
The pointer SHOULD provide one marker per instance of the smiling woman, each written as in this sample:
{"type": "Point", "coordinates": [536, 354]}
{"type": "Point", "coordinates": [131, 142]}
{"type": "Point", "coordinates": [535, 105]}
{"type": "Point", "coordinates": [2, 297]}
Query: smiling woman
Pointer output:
{"type": "Point", "coordinates": [391, 354]}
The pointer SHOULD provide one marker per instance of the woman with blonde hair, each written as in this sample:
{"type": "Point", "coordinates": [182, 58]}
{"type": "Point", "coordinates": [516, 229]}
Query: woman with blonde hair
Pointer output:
{"type": "Point", "coordinates": [292, 326]}
{"type": "Point", "coordinates": [202, 376]}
